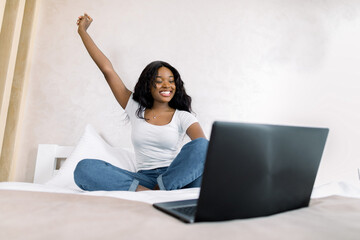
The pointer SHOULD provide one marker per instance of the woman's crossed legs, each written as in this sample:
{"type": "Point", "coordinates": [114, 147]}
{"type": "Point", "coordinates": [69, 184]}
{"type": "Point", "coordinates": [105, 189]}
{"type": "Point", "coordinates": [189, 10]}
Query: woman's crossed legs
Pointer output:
{"type": "Point", "coordinates": [184, 172]}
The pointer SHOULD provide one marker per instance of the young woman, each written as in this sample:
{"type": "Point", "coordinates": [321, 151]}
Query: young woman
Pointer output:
{"type": "Point", "coordinates": [159, 111]}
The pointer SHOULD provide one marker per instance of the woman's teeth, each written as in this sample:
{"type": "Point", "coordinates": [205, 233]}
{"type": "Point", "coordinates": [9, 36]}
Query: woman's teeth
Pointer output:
{"type": "Point", "coordinates": [165, 93]}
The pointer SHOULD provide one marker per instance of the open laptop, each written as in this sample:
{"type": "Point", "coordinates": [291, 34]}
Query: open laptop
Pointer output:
{"type": "Point", "coordinates": [254, 170]}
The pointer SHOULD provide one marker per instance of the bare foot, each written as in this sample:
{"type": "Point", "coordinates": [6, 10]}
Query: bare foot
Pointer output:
{"type": "Point", "coordinates": [142, 188]}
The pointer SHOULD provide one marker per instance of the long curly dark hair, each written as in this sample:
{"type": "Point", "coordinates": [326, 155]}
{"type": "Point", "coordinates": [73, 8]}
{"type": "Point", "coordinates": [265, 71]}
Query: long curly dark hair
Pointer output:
{"type": "Point", "coordinates": [142, 93]}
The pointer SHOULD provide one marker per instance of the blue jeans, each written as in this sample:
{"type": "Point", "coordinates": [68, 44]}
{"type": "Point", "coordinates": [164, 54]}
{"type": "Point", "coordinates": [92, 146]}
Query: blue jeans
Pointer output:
{"type": "Point", "coordinates": [184, 172]}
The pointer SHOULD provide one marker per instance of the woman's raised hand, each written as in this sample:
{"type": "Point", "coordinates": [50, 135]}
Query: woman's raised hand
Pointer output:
{"type": "Point", "coordinates": [122, 94]}
{"type": "Point", "coordinates": [84, 22]}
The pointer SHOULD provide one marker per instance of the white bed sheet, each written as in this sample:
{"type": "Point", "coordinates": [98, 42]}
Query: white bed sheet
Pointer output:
{"type": "Point", "coordinates": [340, 188]}
{"type": "Point", "coordinates": [144, 196]}
{"type": "Point", "coordinates": [334, 188]}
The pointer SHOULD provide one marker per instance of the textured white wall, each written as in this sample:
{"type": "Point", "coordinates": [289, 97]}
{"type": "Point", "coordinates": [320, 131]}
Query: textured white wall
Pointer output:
{"type": "Point", "coordinates": [269, 61]}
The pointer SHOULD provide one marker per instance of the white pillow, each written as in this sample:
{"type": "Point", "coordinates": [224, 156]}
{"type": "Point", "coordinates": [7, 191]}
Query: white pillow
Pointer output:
{"type": "Point", "coordinates": [91, 145]}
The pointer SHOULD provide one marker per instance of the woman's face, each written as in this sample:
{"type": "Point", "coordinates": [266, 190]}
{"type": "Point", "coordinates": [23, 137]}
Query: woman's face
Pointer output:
{"type": "Point", "coordinates": [164, 86]}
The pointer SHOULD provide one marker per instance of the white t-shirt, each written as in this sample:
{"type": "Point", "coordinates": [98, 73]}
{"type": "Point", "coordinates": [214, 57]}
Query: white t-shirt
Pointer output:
{"type": "Point", "coordinates": [157, 146]}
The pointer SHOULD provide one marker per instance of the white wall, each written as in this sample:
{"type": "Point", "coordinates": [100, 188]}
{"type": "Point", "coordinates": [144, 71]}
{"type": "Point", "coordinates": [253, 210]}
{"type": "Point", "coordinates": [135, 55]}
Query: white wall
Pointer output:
{"type": "Point", "coordinates": [269, 61]}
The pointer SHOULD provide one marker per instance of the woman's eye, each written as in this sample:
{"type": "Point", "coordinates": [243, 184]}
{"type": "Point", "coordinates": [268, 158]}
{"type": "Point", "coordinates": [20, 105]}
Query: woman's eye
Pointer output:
{"type": "Point", "coordinates": [158, 81]}
{"type": "Point", "coordinates": [171, 81]}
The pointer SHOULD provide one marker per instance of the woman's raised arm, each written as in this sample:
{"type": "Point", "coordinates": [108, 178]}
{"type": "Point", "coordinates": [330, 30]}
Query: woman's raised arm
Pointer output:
{"type": "Point", "coordinates": [117, 86]}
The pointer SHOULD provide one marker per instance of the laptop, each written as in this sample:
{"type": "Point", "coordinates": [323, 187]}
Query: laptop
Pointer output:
{"type": "Point", "coordinates": [253, 170]}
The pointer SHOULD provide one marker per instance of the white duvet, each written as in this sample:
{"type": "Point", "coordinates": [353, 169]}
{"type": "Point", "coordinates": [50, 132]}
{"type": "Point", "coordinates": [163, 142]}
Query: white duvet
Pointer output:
{"type": "Point", "coordinates": [335, 188]}
{"type": "Point", "coordinates": [144, 196]}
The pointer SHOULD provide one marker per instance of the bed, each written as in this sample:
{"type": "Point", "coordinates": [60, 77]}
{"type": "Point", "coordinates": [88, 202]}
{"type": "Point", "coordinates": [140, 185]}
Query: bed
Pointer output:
{"type": "Point", "coordinates": [53, 207]}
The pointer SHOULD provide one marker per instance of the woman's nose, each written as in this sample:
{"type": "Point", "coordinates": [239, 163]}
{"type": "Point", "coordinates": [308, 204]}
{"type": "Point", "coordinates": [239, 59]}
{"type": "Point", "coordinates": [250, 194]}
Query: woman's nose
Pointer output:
{"type": "Point", "coordinates": [166, 84]}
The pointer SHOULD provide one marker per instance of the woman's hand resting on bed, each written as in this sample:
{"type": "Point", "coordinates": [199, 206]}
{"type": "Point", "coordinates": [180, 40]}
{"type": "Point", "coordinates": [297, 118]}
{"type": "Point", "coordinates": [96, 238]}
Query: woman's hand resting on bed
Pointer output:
{"type": "Point", "coordinates": [84, 22]}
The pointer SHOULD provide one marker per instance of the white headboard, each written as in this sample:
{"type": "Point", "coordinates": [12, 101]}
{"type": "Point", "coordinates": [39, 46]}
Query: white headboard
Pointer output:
{"type": "Point", "coordinates": [47, 157]}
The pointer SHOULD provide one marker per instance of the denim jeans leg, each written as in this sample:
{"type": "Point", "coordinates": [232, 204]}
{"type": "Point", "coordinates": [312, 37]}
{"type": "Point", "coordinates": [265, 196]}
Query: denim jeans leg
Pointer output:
{"type": "Point", "coordinates": [97, 175]}
{"type": "Point", "coordinates": [187, 167]}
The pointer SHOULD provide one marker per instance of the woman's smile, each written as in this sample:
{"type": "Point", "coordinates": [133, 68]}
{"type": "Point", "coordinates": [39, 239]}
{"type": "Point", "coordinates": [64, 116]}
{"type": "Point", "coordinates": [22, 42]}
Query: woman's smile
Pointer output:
{"type": "Point", "coordinates": [165, 93]}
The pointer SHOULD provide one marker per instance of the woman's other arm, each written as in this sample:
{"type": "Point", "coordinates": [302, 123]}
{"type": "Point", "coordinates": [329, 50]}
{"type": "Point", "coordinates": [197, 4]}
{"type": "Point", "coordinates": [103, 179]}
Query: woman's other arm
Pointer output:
{"type": "Point", "coordinates": [195, 131]}
{"type": "Point", "coordinates": [121, 93]}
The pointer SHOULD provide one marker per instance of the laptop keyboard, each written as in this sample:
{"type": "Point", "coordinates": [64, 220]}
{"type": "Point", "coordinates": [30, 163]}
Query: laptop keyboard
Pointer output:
{"type": "Point", "coordinates": [189, 211]}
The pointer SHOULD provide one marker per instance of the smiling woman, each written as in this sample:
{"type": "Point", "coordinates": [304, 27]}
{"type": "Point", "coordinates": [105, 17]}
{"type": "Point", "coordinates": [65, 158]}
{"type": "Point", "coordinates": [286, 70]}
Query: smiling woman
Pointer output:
{"type": "Point", "coordinates": [160, 113]}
